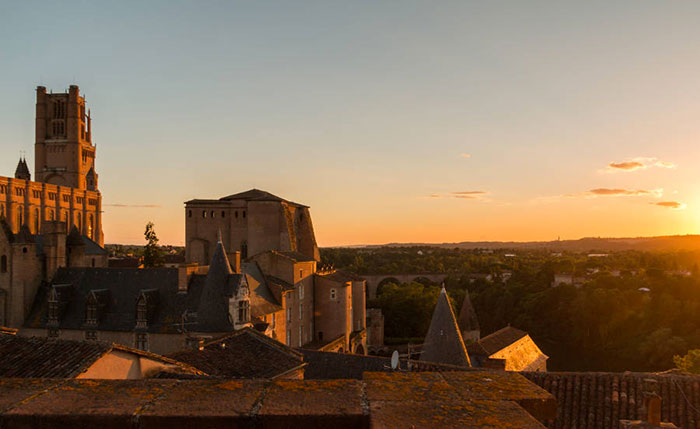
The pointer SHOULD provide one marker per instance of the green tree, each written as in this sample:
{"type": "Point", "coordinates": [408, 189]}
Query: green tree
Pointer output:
{"type": "Point", "coordinates": [152, 256]}
{"type": "Point", "coordinates": [688, 363]}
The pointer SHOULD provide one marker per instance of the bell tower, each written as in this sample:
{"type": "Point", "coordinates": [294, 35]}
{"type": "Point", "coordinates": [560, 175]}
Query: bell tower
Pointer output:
{"type": "Point", "coordinates": [64, 153]}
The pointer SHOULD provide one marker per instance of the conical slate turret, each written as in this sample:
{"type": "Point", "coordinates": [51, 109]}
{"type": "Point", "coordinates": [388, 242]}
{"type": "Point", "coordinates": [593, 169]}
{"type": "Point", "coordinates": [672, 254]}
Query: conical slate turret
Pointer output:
{"type": "Point", "coordinates": [213, 303]}
{"type": "Point", "coordinates": [444, 343]}
{"type": "Point", "coordinates": [468, 322]}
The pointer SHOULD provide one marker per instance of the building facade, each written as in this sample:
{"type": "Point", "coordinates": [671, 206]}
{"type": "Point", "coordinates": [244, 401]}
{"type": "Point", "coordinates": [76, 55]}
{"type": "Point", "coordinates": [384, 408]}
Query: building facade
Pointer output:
{"type": "Point", "coordinates": [66, 182]}
{"type": "Point", "coordinates": [56, 221]}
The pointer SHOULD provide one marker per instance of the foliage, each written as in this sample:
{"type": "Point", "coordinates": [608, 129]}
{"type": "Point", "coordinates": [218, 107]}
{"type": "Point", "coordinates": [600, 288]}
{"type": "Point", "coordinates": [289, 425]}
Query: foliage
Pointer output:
{"type": "Point", "coordinates": [689, 363]}
{"type": "Point", "coordinates": [152, 255]}
{"type": "Point", "coordinates": [635, 310]}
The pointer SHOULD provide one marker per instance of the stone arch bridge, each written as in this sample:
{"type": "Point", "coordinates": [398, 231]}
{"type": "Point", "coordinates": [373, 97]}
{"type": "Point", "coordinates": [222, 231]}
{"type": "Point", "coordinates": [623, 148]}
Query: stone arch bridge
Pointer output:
{"type": "Point", "coordinates": [375, 281]}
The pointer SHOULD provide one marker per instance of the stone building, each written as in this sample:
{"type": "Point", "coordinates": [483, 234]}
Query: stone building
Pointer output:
{"type": "Point", "coordinates": [55, 221]}
{"type": "Point", "coordinates": [249, 222]}
{"type": "Point", "coordinates": [66, 182]}
{"type": "Point", "coordinates": [513, 347]}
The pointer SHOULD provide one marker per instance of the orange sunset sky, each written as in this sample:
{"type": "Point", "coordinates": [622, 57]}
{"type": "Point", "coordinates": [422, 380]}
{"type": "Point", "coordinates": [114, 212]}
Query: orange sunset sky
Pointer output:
{"type": "Point", "coordinates": [395, 121]}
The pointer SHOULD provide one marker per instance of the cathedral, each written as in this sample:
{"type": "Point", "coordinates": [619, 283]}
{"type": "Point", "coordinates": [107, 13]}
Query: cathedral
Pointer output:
{"type": "Point", "coordinates": [251, 260]}
{"type": "Point", "coordinates": [55, 221]}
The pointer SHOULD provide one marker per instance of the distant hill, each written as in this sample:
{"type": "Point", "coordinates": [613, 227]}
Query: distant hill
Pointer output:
{"type": "Point", "coordinates": [661, 243]}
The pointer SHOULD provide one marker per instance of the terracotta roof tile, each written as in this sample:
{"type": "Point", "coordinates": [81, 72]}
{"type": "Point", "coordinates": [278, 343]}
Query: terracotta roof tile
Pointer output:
{"type": "Point", "coordinates": [601, 400]}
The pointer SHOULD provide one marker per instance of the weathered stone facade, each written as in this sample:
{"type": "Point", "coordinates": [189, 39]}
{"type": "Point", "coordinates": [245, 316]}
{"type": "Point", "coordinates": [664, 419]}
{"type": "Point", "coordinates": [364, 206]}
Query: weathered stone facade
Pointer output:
{"type": "Point", "coordinates": [249, 222]}
{"type": "Point", "coordinates": [55, 221]}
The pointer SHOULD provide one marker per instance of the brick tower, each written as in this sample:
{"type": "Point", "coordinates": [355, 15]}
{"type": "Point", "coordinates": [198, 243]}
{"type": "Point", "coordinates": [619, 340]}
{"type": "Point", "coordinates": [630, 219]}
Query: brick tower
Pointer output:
{"type": "Point", "coordinates": [64, 153]}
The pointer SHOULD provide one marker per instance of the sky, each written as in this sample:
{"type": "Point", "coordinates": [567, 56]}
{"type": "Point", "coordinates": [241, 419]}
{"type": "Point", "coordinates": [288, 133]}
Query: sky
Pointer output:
{"type": "Point", "coordinates": [395, 121]}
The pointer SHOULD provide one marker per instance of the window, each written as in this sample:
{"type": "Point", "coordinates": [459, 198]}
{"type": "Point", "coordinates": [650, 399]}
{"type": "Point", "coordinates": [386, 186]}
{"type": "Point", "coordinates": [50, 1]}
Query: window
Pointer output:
{"type": "Point", "coordinates": [289, 315]}
{"type": "Point", "coordinates": [2, 210]}
{"type": "Point", "coordinates": [243, 311]}
{"type": "Point", "coordinates": [212, 214]}
{"type": "Point", "coordinates": [332, 293]}
{"type": "Point", "coordinates": [272, 324]}
{"type": "Point", "coordinates": [243, 214]}
{"type": "Point", "coordinates": [141, 312]}
{"type": "Point", "coordinates": [53, 307]}
{"type": "Point", "coordinates": [235, 214]}
{"type": "Point", "coordinates": [36, 221]}
{"type": "Point", "coordinates": [91, 313]}
{"type": "Point", "coordinates": [301, 329]}
{"type": "Point", "coordinates": [91, 335]}
{"type": "Point", "coordinates": [301, 291]}
{"type": "Point", "coordinates": [204, 214]}
{"type": "Point", "coordinates": [223, 213]}
{"type": "Point", "coordinates": [289, 337]}
{"type": "Point", "coordinates": [244, 249]}
{"type": "Point", "coordinates": [301, 311]}
{"type": "Point", "coordinates": [189, 213]}
{"type": "Point", "coordinates": [51, 214]}
{"type": "Point", "coordinates": [142, 341]}
{"type": "Point", "coordinates": [3, 264]}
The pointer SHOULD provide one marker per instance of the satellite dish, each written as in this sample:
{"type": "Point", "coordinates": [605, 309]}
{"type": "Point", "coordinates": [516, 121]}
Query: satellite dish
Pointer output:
{"type": "Point", "coordinates": [395, 359]}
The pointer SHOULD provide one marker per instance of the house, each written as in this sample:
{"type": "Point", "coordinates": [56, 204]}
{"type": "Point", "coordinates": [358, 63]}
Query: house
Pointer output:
{"type": "Point", "coordinates": [511, 345]}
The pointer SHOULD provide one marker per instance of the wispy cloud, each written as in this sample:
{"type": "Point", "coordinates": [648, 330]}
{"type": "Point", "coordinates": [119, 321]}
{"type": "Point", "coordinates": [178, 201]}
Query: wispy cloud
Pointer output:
{"type": "Point", "coordinates": [639, 163]}
{"type": "Point", "coordinates": [465, 155]}
{"type": "Point", "coordinates": [675, 205]}
{"type": "Point", "coordinates": [618, 192]}
{"type": "Point", "coordinates": [140, 206]}
{"type": "Point", "coordinates": [465, 195]}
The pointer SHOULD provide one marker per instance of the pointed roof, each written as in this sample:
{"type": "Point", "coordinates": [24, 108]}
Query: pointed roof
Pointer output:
{"type": "Point", "coordinates": [467, 316]}
{"type": "Point", "coordinates": [444, 343]}
{"type": "Point", "coordinates": [74, 237]}
{"type": "Point", "coordinates": [91, 173]}
{"type": "Point", "coordinates": [22, 170]}
{"type": "Point", "coordinates": [212, 311]}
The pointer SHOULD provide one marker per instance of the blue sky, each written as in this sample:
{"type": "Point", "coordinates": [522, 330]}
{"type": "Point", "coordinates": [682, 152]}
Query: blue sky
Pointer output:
{"type": "Point", "coordinates": [366, 111]}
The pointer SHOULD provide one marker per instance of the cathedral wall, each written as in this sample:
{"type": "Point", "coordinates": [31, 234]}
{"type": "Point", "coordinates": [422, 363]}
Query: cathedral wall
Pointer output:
{"type": "Point", "coordinates": [34, 203]}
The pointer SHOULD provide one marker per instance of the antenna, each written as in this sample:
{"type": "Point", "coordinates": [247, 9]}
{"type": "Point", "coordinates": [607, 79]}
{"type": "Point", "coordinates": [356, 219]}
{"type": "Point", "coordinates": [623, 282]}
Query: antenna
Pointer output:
{"type": "Point", "coordinates": [395, 360]}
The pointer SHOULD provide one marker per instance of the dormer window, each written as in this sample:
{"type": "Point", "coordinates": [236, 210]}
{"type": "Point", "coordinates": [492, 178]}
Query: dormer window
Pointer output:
{"type": "Point", "coordinates": [243, 311]}
{"type": "Point", "coordinates": [91, 313]}
{"type": "Point", "coordinates": [53, 307]}
{"type": "Point", "coordinates": [141, 312]}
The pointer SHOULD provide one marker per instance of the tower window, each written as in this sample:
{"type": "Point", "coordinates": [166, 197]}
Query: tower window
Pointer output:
{"type": "Point", "coordinates": [223, 213]}
{"type": "Point", "coordinates": [243, 214]}
{"type": "Point", "coordinates": [189, 213]}
{"type": "Point", "coordinates": [212, 214]}
{"type": "Point", "coordinates": [243, 311]}
{"type": "Point", "coordinates": [204, 214]}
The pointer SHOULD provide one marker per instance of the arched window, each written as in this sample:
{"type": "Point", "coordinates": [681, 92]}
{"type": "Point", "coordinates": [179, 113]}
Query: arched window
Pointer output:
{"type": "Point", "coordinates": [3, 264]}
{"type": "Point", "coordinates": [204, 214]}
{"type": "Point", "coordinates": [212, 214]}
{"type": "Point", "coordinates": [91, 224]}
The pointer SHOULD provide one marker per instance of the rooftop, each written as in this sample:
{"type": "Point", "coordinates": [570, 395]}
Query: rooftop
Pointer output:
{"type": "Point", "coordinates": [250, 195]}
{"type": "Point", "coordinates": [381, 400]}
{"type": "Point", "coordinates": [53, 358]}
{"type": "Point", "coordinates": [243, 354]}
{"type": "Point", "coordinates": [496, 341]}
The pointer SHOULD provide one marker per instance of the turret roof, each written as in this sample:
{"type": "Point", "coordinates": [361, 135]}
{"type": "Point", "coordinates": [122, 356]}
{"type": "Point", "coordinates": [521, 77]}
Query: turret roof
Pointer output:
{"type": "Point", "coordinates": [213, 303]}
{"type": "Point", "coordinates": [444, 343]}
{"type": "Point", "coordinates": [22, 170]}
{"type": "Point", "coordinates": [467, 316]}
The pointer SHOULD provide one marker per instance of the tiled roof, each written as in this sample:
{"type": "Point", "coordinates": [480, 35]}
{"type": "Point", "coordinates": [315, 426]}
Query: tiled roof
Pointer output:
{"type": "Point", "coordinates": [262, 301]}
{"type": "Point", "coordinates": [600, 400]}
{"type": "Point", "coordinates": [92, 248]}
{"type": "Point", "coordinates": [496, 341]}
{"type": "Point", "coordinates": [257, 195]}
{"type": "Point", "coordinates": [243, 354]}
{"type": "Point", "coordinates": [444, 343]}
{"type": "Point", "coordinates": [331, 365]}
{"type": "Point", "coordinates": [54, 358]}
{"type": "Point", "coordinates": [464, 399]}
{"type": "Point", "coordinates": [213, 311]}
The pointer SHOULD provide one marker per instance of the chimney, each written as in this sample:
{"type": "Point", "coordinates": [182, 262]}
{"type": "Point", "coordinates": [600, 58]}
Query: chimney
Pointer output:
{"type": "Point", "coordinates": [652, 404]}
{"type": "Point", "coordinates": [236, 262]}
